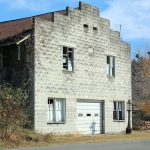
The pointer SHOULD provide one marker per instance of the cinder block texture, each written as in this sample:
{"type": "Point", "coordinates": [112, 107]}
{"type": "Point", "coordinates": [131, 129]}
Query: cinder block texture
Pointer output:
{"type": "Point", "coordinates": [89, 79]}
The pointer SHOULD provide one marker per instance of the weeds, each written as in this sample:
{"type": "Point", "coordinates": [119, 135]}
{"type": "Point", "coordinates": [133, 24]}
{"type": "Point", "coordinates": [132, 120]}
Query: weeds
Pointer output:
{"type": "Point", "coordinates": [13, 111]}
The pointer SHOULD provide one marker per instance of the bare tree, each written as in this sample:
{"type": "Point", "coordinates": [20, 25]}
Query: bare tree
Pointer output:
{"type": "Point", "coordinates": [141, 78]}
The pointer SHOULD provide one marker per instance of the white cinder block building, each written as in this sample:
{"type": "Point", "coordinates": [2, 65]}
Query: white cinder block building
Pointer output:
{"type": "Point", "coordinates": [80, 71]}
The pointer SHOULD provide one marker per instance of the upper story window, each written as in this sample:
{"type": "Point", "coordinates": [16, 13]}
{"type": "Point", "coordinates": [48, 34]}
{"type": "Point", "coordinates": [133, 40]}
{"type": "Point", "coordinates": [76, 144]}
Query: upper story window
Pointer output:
{"type": "Point", "coordinates": [118, 110]}
{"type": "Point", "coordinates": [68, 58]}
{"type": "Point", "coordinates": [111, 66]}
{"type": "Point", "coordinates": [56, 110]}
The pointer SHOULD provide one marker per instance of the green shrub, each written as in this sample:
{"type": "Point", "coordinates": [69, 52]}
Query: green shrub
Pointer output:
{"type": "Point", "coordinates": [146, 117]}
{"type": "Point", "coordinates": [137, 115]}
{"type": "Point", "coordinates": [13, 109]}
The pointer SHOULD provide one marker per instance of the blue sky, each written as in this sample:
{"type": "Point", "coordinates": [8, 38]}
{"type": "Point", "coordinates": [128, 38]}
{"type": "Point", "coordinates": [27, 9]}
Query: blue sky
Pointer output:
{"type": "Point", "coordinates": [133, 15]}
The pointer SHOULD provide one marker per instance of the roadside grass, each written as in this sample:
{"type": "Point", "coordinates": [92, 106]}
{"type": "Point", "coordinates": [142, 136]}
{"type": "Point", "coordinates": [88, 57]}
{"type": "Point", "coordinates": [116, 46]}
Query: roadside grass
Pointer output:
{"type": "Point", "coordinates": [30, 138]}
{"type": "Point", "coordinates": [1, 148]}
{"type": "Point", "coordinates": [136, 135]}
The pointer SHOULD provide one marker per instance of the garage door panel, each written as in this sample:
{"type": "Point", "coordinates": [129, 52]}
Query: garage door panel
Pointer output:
{"type": "Point", "coordinates": [85, 119]}
{"type": "Point", "coordinates": [90, 131]}
{"type": "Point", "coordinates": [88, 107]}
{"type": "Point", "coordinates": [90, 127]}
{"type": "Point", "coordinates": [89, 117]}
{"type": "Point", "coordinates": [90, 120]}
{"type": "Point", "coordinates": [86, 114]}
{"type": "Point", "coordinates": [88, 110]}
{"type": "Point", "coordinates": [88, 104]}
{"type": "Point", "coordinates": [87, 122]}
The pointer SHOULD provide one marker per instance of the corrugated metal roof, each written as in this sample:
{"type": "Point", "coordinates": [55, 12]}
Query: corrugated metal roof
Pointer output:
{"type": "Point", "coordinates": [11, 28]}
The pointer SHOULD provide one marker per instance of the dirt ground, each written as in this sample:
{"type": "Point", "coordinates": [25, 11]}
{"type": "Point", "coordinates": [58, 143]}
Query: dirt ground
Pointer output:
{"type": "Point", "coordinates": [43, 140]}
{"type": "Point", "coordinates": [136, 135]}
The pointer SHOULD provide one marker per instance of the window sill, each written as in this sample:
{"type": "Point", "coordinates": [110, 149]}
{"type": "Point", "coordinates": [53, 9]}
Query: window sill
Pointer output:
{"type": "Point", "coordinates": [69, 71]}
{"type": "Point", "coordinates": [118, 120]}
{"type": "Point", "coordinates": [111, 77]}
{"type": "Point", "coordinates": [55, 122]}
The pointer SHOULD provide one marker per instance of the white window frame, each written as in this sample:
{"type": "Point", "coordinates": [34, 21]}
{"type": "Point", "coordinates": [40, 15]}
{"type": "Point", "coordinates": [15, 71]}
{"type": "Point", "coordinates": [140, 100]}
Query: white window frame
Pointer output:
{"type": "Point", "coordinates": [120, 108]}
{"type": "Point", "coordinates": [52, 114]}
{"type": "Point", "coordinates": [111, 66]}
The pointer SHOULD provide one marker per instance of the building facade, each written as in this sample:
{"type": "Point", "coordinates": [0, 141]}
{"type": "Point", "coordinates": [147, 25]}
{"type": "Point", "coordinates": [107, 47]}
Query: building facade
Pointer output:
{"type": "Point", "coordinates": [80, 72]}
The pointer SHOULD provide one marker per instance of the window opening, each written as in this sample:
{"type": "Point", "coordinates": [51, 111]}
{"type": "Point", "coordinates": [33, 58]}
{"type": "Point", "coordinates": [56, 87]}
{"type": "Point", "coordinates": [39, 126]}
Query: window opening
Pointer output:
{"type": "Point", "coordinates": [56, 110]}
{"type": "Point", "coordinates": [118, 111]}
{"type": "Point", "coordinates": [68, 58]}
{"type": "Point", "coordinates": [110, 65]}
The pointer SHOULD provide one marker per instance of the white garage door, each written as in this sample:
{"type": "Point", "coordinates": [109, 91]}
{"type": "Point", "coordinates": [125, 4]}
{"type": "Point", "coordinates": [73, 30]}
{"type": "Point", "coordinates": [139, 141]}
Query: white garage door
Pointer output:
{"type": "Point", "coordinates": [89, 117]}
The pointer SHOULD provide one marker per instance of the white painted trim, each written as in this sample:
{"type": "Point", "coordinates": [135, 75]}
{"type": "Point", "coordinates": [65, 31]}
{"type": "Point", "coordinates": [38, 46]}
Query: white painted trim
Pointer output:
{"type": "Point", "coordinates": [20, 41]}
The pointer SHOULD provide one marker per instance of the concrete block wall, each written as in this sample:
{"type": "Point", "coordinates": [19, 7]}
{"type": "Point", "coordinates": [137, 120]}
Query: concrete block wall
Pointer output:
{"type": "Point", "coordinates": [89, 79]}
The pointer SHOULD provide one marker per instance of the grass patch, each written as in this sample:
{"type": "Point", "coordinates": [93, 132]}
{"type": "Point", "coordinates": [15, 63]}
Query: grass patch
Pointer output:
{"type": "Point", "coordinates": [30, 138]}
{"type": "Point", "coordinates": [1, 148]}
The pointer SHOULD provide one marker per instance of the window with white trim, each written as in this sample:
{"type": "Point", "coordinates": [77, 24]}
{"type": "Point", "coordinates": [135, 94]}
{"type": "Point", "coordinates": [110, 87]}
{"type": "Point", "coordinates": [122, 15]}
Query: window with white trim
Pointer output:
{"type": "Point", "coordinates": [68, 58]}
{"type": "Point", "coordinates": [110, 65]}
{"type": "Point", "coordinates": [56, 110]}
{"type": "Point", "coordinates": [119, 110]}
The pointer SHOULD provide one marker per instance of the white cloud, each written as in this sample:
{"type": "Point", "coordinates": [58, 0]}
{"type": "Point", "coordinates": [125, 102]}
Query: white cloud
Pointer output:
{"type": "Point", "coordinates": [133, 15]}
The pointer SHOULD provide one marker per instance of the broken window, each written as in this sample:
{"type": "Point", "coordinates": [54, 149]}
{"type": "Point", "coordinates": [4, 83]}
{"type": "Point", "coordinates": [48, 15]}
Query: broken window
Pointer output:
{"type": "Point", "coordinates": [56, 110]}
{"type": "Point", "coordinates": [68, 58]}
{"type": "Point", "coordinates": [118, 111]}
{"type": "Point", "coordinates": [110, 65]}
